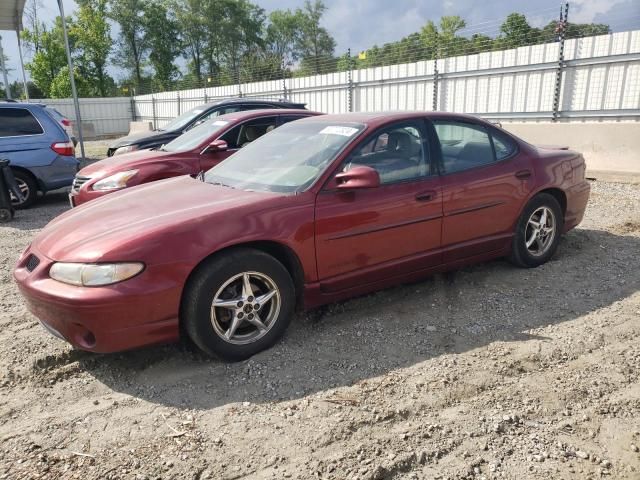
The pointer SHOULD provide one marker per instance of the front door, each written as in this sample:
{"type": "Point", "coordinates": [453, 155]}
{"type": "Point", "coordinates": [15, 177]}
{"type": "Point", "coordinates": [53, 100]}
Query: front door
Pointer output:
{"type": "Point", "coordinates": [485, 182]}
{"type": "Point", "coordinates": [368, 235]}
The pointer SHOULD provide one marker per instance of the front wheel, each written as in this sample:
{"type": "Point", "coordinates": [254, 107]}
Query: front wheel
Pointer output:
{"type": "Point", "coordinates": [538, 232]}
{"type": "Point", "coordinates": [238, 303]}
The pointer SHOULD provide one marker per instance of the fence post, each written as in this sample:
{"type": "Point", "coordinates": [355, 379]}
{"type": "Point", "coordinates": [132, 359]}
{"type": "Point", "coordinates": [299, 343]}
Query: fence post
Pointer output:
{"type": "Point", "coordinates": [153, 106]}
{"type": "Point", "coordinates": [178, 94]}
{"type": "Point", "coordinates": [133, 107]}
{"type": "Point", "coordinates": [285, 94]}
{"type": "Point", "coordinates": [349, 81]}
{"type": "Point", "coordinates": [435, 74]}
{"type": "Point", "coordinates": [206, 98]}
{"type": "Point", "coordinates": [561, 29]}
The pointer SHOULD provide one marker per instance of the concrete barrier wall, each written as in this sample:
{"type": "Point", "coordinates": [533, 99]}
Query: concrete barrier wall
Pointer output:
{"type": "Point", "coordinates": [606, 146]}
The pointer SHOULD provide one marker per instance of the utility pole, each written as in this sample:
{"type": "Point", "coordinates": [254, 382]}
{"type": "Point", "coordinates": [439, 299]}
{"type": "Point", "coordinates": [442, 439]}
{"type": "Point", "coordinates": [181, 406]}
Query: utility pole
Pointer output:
{"type": "Point", "coordinates": [4, 73]}
{"type": "Point", "coordinates": [74, 92]}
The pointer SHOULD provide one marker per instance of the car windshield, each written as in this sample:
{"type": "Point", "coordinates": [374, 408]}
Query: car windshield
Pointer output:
{"type": "Point", "coordinates": [194, 137]}
{"type": "Point", "coordinates": [181, 121]}
{"type": "Point", "coordinates": [287, 160]}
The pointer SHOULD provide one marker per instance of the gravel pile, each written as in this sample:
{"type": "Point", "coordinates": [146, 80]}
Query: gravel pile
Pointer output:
{"type": "Point", "coordinates": [487, 372]}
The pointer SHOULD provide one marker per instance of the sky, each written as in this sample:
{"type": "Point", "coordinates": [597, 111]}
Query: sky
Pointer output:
{"type": "Point", "coordinates": [363, 23]}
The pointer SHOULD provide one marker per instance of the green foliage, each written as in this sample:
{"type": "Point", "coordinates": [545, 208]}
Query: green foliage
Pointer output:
{"type": "Point", "coordinates": [132, 46]}
{"type": "Point", "coordinates": [315, 44]}
{"type": "Point", "coordinates": [49, 54]}
{"type": "Point", "coordinates": [61, 84]}
{"type": "Point", "coordinates": [93, 40]}
{"type": "Point", "coordinates": [162, 31]}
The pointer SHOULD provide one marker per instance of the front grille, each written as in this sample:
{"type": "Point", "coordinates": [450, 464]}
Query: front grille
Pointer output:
{"type": "Point", "coordinates": [32, 262]}
{"type": "Point", "coordinates": [78, 181]}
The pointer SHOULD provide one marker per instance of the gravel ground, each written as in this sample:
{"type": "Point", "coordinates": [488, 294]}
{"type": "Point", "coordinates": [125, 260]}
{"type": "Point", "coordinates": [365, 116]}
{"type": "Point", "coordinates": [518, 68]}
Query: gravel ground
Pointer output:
{"type": "Point", "coordinates": [487, 372]}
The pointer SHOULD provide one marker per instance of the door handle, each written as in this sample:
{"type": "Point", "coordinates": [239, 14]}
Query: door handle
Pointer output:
{"type": "Point", "coordinates": [425, 196]}
{"type": "Point", "coordinates": [523, 174]}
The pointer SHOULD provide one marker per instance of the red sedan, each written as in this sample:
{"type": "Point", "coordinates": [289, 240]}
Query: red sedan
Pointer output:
{"type": "Point", "coordinates": [319, 210]}
{"type": "Point", "coordinates": [198, 149]}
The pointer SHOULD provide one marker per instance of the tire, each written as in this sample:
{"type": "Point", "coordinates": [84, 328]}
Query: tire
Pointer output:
{"type": "Point", "coordinates": [543, 242]}
{"type": "Point", "coordinates": [222, 278]}
{"type": "Point", "coordinates": [28, 185]}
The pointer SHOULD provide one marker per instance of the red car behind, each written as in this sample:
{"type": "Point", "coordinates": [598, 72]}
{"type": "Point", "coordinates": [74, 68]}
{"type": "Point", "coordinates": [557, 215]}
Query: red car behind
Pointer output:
{"type": "Point", "coordinates": [319, 210]}
{"type": "Point", "coordinates": [198, 149]}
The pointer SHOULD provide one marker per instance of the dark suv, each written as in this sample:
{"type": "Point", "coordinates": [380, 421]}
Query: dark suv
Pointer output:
{"type": "Point", "coordinates": [190, 119]}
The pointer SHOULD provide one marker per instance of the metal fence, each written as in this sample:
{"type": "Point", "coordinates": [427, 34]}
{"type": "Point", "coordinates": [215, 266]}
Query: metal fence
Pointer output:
{"type": "Point", "coordinates": [573, 80]}
{"type": "Point", "coordinates": [101, 117]}
{"type": "Point", "coordinates": [585, 78]}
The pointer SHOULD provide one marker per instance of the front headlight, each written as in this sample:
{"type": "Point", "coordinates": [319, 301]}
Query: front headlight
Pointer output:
{"type": "Point", "coordinates": [126, 149]}
{"type": "Point", "coordinates": [114, 182]}
{"type": "Point", "coordinates": [94, 274]}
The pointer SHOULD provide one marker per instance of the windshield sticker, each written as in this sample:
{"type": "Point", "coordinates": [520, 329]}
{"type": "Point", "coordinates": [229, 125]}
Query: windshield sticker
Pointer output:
{"type": "Point", "coordinates": [220, 123]}
{"type": "Point", "coordinates": [344, 131]}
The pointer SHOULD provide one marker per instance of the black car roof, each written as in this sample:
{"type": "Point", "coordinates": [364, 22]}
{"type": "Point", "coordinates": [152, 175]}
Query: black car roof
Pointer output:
{"type": "Point", "coordinates": [257, 101]}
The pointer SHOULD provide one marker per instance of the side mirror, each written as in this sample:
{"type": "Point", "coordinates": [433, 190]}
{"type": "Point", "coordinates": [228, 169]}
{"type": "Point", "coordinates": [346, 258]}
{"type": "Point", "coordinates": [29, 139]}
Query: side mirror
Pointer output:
{"type": "Point", "coordinates": [358, 177]}
{"type": "Point", "coordinates": [218, 146]}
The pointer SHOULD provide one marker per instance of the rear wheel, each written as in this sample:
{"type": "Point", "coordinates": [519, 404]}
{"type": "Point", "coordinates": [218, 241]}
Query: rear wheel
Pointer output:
{"type": "Point", "coordinates": [238, 304]}
{"type": "Point", "coordinates": [538, 232]}
{"type": "Point", "coordinates": [29, 188]}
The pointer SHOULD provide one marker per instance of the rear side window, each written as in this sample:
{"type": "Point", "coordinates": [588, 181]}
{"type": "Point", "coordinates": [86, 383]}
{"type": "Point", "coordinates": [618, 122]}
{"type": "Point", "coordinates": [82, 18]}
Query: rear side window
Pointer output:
{"type": "Point", "coordinates": [505, 147]}
{"type": "Point", "coordinates": [463, 145]}
{"type": "Point", "coordinates": [15, 122]}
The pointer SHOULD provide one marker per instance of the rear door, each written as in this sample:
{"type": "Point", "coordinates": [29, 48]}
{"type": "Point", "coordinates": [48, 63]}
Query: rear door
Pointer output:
{"type": "Point", "coordinates": [485, 182]}
{"type": "Point", "coordinates": [23, 140]}
{"type": "Point", "coordinates": [368, 235]}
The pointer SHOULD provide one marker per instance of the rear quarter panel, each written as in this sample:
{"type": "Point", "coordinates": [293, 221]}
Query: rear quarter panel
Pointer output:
{"type": "Point", "coordinates": [563, 170]}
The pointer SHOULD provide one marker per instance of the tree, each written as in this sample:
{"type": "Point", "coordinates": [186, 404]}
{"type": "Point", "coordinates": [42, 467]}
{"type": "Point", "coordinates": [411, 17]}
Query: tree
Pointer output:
{"type": "Point", "coordinates": [162, 32]}
{"type": "Point", "coordinates": [516, 32]}
{"type": "Point", "coordinates": [50, 55]}
{"type": "Point", "coordinates": [194, 18]}
{"type": "Point", "coordinates": [283, 36]}
{"type": "Point", "coordinates": [241, 27]}
{"type": "Point", "coordinates": [61, 84]}
{"type": "Point", "coordinates": [316, 45]}
{"type": "Point", "coordinates": [133, 44]}
{"type": "Point", "coordinates": [92, 33]}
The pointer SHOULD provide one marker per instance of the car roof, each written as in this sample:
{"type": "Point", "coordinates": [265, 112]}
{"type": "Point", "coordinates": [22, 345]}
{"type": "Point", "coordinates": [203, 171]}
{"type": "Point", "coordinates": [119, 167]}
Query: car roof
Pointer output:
{"type": "Point", "coordinates": [379, 118]}
{"type": "Point", "coordinates": [247, 114]}
{"type": "Point", "coordinates": [258, 101]}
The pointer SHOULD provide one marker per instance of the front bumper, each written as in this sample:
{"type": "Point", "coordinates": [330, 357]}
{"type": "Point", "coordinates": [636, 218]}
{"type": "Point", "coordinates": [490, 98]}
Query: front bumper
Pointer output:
{"type": "Point", "coordinates": [137, 312]}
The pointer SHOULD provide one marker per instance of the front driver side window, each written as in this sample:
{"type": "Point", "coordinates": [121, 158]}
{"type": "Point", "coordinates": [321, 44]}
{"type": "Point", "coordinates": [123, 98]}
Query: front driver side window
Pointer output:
{"type": "Point", "coordinates": [248, 131]}
{"type": "Point", "coordinates": [398, 153]}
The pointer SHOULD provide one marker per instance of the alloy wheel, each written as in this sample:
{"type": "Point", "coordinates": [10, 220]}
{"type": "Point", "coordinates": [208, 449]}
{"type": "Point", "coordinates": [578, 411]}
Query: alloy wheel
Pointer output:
{"type": "Point", "coordinates": [245, 308]}
{"type": "Point", "coordinates": [24, 188]}
{"type": "Point", "coordinates": [540, 231]}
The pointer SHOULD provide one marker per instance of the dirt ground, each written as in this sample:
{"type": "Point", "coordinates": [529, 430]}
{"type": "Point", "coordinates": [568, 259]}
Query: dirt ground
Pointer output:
{"type": "Point", "coordinates": [487, 372]}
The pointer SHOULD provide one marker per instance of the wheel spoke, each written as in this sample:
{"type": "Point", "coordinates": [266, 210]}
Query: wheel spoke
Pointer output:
{"type": "Point", "coordinates": [257, 323]}
{"type": "Point", "coordinates": [247, 291]}
{"type": "Point", "coordinates": [232, 329]}
{"type": "Point", "coordinates": [533, 238]}
{"type": "Point", "coordinates": [543, 218]}
{"type": "Point", "coordinates": [534, 224]}
{"type": "Point", "coordinates": [230, 304]}
{"type": "Point", "coordinates": [262, 299]}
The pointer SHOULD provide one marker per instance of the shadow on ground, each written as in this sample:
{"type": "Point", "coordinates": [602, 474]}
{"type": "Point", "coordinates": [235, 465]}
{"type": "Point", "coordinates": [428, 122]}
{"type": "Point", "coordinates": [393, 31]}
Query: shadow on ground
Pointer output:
{"type": "Point", "coordinates": [370, 336]}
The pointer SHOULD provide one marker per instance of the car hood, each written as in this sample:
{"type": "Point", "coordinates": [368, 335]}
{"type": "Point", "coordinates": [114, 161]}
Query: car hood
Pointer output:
{"type": "Point", "coordinates": [122, 162]}
{"type": "Point", "coordinates": [135, 138]}
{"type": "Point", "coordinates": [120, 226]}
